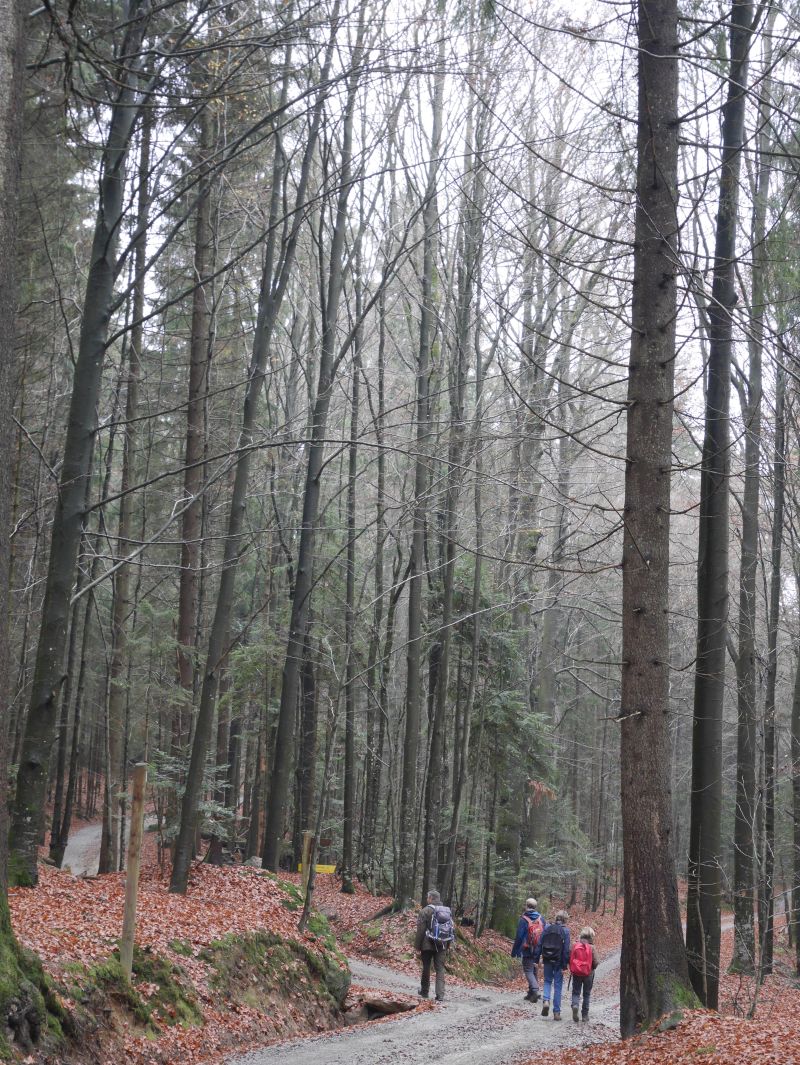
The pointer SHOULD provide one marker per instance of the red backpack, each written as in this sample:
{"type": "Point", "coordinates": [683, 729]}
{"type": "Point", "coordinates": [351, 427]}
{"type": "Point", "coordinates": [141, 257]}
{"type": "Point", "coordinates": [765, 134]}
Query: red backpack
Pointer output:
{"type": "Point", "coordinates": [580, 960]}
{"type": "Point", "coordinates": [534, 933]}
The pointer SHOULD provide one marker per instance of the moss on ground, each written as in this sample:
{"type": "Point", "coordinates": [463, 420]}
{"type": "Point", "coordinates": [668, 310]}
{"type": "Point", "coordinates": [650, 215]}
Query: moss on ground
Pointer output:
{"type": "Point", "coordinates": [249, 968]}
{"type": "Point", "coordinates": [28, 1007]}
{"type": "Point", "coordinates": [167, 999]}
{"type": "Point", "coordinates": [181, 947]}
{"type": "Point", "coordinates": [469, 960]}
{"type": "Point", "coordinates": [294, 899]}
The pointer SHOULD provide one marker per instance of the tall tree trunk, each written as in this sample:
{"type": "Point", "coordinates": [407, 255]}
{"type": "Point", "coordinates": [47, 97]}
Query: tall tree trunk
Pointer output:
{"type": "Point", "coordinates": [27, 822]}
{"type": "Point", "coordinates": [404, 889]}
{"type": "Point", "coordinates": [766, 900]}
{"type": "Point", "coordinates": [653, 976]}
{"type": "Point", "coordinates": [744, 944]}
{"type": "Point", "coordinates": [21, 1002]}
{"type": "Point", "coordinates": [350, 619]}
{"type": "Point", "coordinates": [462, 753]}
{"type": "Point", "coordinates": [376, 712]}
{"type": "Point", "coordinates": [62, 762]}
{"type": "Point", "coordinates": [705, 846]}
{"type": "Point", "coordinates": [307, 760]}
{"type": "Point", "coordinates": [199, 358]}
{"type": "Point", "coordinates": [795, 751]}
{"type": "Point", "coordinates": [111, 855]}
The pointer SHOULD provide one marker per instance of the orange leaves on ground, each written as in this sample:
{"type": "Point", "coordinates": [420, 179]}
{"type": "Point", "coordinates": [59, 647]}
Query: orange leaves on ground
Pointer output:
{"type": "Point", "coordinates": [68, 919]}
{"type": "Point", "coordinates": [701, 1037]}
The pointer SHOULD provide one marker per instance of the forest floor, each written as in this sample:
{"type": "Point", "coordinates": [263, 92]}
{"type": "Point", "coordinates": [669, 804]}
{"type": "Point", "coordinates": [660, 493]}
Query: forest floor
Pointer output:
{"type": "Point", "coordinates": [72, 922]}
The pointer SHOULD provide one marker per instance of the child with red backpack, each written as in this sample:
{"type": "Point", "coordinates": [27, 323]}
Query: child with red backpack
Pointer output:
{"type": "Point", "coordinates": [582, 964]}
{"type": "Point", "coordinates": [526, 946]}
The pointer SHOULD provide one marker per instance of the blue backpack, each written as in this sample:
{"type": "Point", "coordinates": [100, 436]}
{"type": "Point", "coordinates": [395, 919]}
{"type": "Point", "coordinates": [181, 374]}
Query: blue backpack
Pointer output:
{"type": "Point", "coordinates": [440, 928]}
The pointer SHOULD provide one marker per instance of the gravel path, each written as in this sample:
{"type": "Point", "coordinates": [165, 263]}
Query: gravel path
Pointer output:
{"type": "Point", "coordinates": [473, 1027]}
{"type": "Point", "coordinates": [82, 856]}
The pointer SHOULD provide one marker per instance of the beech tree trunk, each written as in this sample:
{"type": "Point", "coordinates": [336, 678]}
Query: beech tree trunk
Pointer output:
{"type": "Point", "coordinates": [744, 943]}
{"type": "Point", "coordinates": [705, 844]}
{"type": "Point", "coordinates": [767, 887]}
{"type": "Point", "coordinates": [350, 619]}
{"type": "Point", "coordinates": [404, 889]}
{"type": "Point", "coordinates": [653, 974]}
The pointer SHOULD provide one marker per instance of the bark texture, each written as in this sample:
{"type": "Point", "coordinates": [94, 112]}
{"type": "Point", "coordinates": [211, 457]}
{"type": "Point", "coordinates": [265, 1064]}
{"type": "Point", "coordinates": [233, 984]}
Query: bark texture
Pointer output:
{"type": "Point", "coordinates": [653, 975]}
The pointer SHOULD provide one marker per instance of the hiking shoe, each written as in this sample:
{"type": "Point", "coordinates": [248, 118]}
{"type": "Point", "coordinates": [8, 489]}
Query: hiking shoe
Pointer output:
{"type": "Point", "coordinates": [586, 1018]}
{"type": "Point", "coordinates": [529, 997]}
{"type": "Point", "coordinates": [534, 996]}
{"type": "Point", "coordinates": [556, 1016]}
{"type": "Point", "coordinates": [422, 994]}
{"type": "Point", "coordinates": [574, 1013]}
{"type": "Point", "coordinates": [439, 998]}
{"type": "Point", "coordinates": [545, 1009]}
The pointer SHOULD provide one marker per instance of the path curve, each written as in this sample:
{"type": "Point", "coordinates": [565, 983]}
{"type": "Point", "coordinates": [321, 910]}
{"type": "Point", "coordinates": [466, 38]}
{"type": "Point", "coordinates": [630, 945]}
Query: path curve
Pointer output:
{"type": "Point", "coordinates": [473, 1025]}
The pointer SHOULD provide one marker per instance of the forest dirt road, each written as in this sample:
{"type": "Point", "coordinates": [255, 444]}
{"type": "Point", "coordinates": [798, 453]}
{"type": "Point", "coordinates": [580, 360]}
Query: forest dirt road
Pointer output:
{"type": "Point", "coordinates": [475, 1026]}
{"type": "Point", "coordinates": [82, 855]}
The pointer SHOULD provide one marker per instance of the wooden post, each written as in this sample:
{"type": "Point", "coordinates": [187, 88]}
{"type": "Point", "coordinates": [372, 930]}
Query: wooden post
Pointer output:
{"type": "Point", "coordinates": [134, 861]}
{"type": "Point", "coordinates": [308, 839]}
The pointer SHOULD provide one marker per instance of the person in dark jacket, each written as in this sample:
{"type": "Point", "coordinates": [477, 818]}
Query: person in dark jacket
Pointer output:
{"type": "Point", "coordinates": [526, 946]}
{"type": "Point", "coordinates": [583, 983]}
{"type": "Point", "coordinates": [555, 962]}
{"type": "Point", "coordinates": [429, 952]}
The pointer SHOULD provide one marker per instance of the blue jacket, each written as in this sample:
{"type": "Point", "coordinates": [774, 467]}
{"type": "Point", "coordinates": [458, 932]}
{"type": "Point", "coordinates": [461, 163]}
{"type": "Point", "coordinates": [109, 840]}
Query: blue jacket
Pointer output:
{"type": "Point", "coordinates": [519, 950]}
{"type": "Point", "coordinates": [564, 932]}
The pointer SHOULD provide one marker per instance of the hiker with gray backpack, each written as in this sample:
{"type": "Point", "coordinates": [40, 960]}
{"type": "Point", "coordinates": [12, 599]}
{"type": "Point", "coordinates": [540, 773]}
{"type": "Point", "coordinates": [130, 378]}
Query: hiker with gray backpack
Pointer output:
{"type": "Point", "coordinates": [435, 933]}
{"type": "Point", "coordinates": [526, 946]}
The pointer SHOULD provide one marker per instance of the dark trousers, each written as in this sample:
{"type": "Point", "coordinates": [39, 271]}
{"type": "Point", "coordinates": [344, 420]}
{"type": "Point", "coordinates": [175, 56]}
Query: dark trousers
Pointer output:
{"type": "Point", "coordinates": [529, 969]}
{"type": "Point", "coordinates": [435, 957]}
{"type": "Point", "coordinates": [584, 984]}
